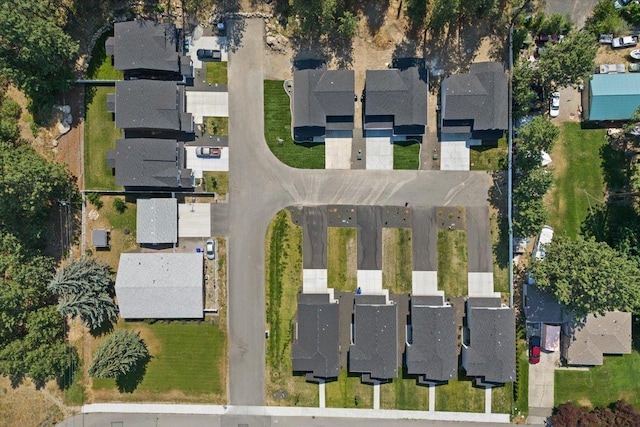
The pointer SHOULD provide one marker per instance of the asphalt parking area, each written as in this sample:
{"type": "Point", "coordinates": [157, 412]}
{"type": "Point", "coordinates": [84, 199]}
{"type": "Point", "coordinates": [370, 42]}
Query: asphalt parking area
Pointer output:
{"type": "Point", "coordinates": [369, 238]}
{"type": "Point", "coordinates": [314, 237]}
{"type": "Point", "coordinates": [424, 240]}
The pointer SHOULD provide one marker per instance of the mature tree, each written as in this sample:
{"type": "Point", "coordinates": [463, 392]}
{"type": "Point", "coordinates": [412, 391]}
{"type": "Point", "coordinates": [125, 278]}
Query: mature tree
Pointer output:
{"type": "Point", "coordinates": [120, 354]}
{"type": "Point", "coordinates": [605, 19]}
{"type": "Point", "coordinates": [524, 96]}
{"type": "Point", "coordinates": [534, 184]}
{"type": "Point", "coordinates": [631, 13]}
{"type": "Point", "coordinates": [529, 216]}
{"type": "Point", "coordinates": [416, 11]}
{"type": "Point", "coordinates": [539, 134]}
{"type": "Point", "coordinates": [588, 276]}
{"type": "Point", "coordinates": [85, 289]}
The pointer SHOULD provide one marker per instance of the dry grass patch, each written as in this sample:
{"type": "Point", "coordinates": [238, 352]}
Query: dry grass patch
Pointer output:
{"type": "Point", "coordinates": [397, 256]}
{"type": "Point", "coordinates": [26, 406]}
{"type": "Point", "coordinates": [342, 261]}
{"type": "Point", "coordinates": [452, 263]}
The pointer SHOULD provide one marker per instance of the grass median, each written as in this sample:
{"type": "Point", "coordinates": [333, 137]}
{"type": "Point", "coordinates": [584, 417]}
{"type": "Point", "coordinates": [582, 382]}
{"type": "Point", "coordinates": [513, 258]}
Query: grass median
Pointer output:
{"type": "Point", "coordinates": [342, 260]}
{"type": "Point", "coordinates": [397, 259]}
{"type": "Point", "coordinates": [452, 263]}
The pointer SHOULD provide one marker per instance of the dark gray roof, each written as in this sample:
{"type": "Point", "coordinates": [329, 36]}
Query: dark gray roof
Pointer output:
{"type": "Point", "coordinates": [541, 306]}
{"type": "Point", "coordinates": [100, 238]}
{"type": "Point", "coordinates": [374, 351]}
{"type": "Point", "coordinates": [157, 221]}
{"type": "Point", "coordinates": [146, 45]}
{"type": "Point", "coordinates": [476, 101]}
{"type": "Point", "coordinates": [151, 104]}
{"type": "Point", "coordinates": [491, 352]}
{"type": "Point", "coordinates": [146, 162]}
{"type": "Point", "coordinates": [160, 286]}
{"type": "Point", "coordinates": [398, 93]}
{"type": "Point", "coordinates": [321, 94]}
{"type": "Point", "coordinates": [316, 348]}
{"type": "Point", "coordinates": [433, 353]}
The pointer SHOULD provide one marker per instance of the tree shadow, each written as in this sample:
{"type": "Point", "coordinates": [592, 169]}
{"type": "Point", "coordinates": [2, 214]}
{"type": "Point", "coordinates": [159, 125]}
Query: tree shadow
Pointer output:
{"type": "Point", "coordinates": [614, 167]}
{"type": "Point", "coordinates": [374, 13]}
{"type": "Point", "coordinates": [104, 329]}
{"type": "Point", "coordinates": [128, 383]}
{"type": "Point", "coordinates": [235, 33]}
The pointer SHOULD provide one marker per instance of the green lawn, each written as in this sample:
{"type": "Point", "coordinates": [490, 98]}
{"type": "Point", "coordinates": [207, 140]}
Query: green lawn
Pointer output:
{"type": "Point", "coordinates": [404, 393]}
{"type": "Point", "coordinates": [100, 67]}
{"type": "Point", "coordinates": [277, 125]}
{"type": "Point", "coordinates": [397, 259]}
{"type": "Point", "coordinates": [406, 155]}
{"type": "Point", "coordinates": [342, 262]}
{"type": "Point", "coordinates": [521, 404]}
{"type": "Point", "coordinates": [187, 357]}
{"type": "Point", "coordinates": [616, 379]}
{"type": "Point", "coordinates": [502, 399]}
{"type": "Point", "coordinates": [283, 260]}
{"type": "Point", "coordinates": [348, 392]}
{"type": "Point", "coordinates": [100, 136]}
{"type": "Point", "coordinates": [579, 177]}
{"type": "Point", "coordinates": [216, 125]}
{"type": "Point", "coordinates": [489, 158]}
{"type": "Point", "coordinates": [501, 258]}
{"type": "Point", "coordinates": [459, 396]}
{"type": "Point", "coordinates": [216, 181]}
{"type": "Point", "coordinates": [452, 262]}
{"type": "Point", "coordinates": [216, 72]}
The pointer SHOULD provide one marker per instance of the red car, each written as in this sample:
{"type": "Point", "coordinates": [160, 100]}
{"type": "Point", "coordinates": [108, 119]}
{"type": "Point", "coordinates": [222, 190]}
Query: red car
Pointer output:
{"type": "Point", "coordinates": [534, 350]}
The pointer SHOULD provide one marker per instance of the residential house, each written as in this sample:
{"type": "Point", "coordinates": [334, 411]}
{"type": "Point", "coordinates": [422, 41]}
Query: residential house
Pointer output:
{"type": "Point", "coordinates": [150, 108]}
{"type": "Point", "coordinates": [157, 221]}
{"type": "Point", "coordinates": [476, 103]}
{"type": "Point", "coordinates": [315, 348]}
{"type": "Point", "coordinates": [395, 102]}
{"type": "Point", "coordinates": [584, 341]}
{"type": "Point", "coordinates": [432, 343]}
{"type": "Point", "coordinates": [145, 163]}
{"type": "Point", "coordinates": [489, 342]}
{"type": "Point", "coordinates": [374, 342]}
{"type": "Point", "coordinates": [148, 49]}
{"type": "Point", "coordinates": [160, 286]}
{"type": "Point", "coordinates": [610, 98]}
{"type": "Point", "coordinates": [323, 104]}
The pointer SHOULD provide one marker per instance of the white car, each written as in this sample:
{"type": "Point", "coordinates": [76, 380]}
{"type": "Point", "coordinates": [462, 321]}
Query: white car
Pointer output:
{"type": "Point", "coordinates": [545, 237]}
{"type": "Point", "coordinates": [211, 249]}
{"type": "Point", "coordinates": [554, 109]}
{"type": "Point", "coordinates": [626, 41]}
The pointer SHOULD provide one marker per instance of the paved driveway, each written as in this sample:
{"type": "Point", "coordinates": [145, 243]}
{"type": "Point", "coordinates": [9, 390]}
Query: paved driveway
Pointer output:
{"type": "Point", "coordinates": [578, 10]}
{"type": "Point", "coordinates": [541, 387]}
{"type": "Point", "coordinates": [207, 104]}
{"type": "Point", "coordinates": [379, 153]}
{"type": "Point", "coordinates": [337, 153]}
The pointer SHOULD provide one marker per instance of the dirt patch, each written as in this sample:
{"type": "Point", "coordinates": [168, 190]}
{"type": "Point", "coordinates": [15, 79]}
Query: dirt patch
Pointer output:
{"type": "Point", "coordinates": [69, 150]}
{"type": "Point", "coordinates": [452, 218]}
{"type": "Point", "coordinates": [27, 406]}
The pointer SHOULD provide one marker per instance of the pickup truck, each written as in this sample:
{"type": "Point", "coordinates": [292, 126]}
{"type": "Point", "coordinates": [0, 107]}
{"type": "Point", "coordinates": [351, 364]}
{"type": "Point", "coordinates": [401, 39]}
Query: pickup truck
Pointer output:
{"type": "Point", "coordinates": [626, 41]}
{"type": "Point", "coordinates": [214, 152]}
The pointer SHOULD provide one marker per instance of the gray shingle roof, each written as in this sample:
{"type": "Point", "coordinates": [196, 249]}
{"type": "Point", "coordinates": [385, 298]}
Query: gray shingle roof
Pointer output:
{"type": "Point", "coordinates": [491, 352]}
{"type": "Point", "coordinates": [541, 306]}
{"type": "Point", "coordinates": [401, 94]}
{"type": "Point", "coordinates": [151, 104]}
{"type": "Point", "coordinates": [157, 221]}
{"type": "Point", "coordinates": [100, 238]}
{"type": "Point", "coordinates": [374, 351]}
{"type": "Point", "coordinates": [480, 99]}
{"type": "Point", "coordinates": [160, 286]}
{"type": "Point", "coordinates": [316, 348]}
{"type": "Point", "coordinates": [146, 45]}
{"type": "Point", "coordinates": [433, 353]}
{"type": "Point", "coordinates": [146, 162]}
{"type": "Point", "coordinates": [323, 99]}
{"type": "Point", "coordinates": [591, 337]}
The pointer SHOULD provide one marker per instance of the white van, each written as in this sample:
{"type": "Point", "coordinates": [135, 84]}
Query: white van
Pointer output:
{"type": "Point", "coordinates": [545, 237]}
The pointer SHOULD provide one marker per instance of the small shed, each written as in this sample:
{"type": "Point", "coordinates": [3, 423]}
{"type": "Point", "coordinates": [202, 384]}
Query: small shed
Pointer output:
{"type": "Point", "coordinates": [550, 337]}
{"type": "Point", "coordinates": [100, 238]}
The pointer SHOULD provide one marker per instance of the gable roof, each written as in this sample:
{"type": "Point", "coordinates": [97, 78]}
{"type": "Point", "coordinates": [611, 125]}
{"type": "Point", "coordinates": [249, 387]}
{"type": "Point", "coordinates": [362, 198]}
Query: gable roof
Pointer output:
{"type": "Point", "coordinates": [157, 221]}
{"type": "Point", "coordinates": [151, 104]}
{"type": "Point", "coordinates": [591, 337]}
{"type": "Point", "coordinates": [401, 93]}
{"type": "Point", "coordinates": [613, 96]}
{"type": "Point", "coordinates": [374, 350]}
{"type": "Point", "coordinates": [316, 348]}
{"type": "Point", "coordinates": [491, 352]}
{"type": "Point", "coordinates": [318, 94]}
{"type": "Point", "coordinates": [147, 45]}
{"type": "Point", "coordinates": [146, 162]}
{"type": "Point", "coordinates": [477, 101]}
{"type": "Point", "coordinates": [160, 286]}
{"type": "Point", "coordinates": [433, 351]}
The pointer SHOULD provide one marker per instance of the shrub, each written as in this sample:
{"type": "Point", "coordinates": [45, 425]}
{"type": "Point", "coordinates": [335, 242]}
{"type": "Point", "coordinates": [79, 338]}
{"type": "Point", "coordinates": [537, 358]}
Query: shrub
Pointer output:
{"type": "Point", "coordinates": [120, 205]}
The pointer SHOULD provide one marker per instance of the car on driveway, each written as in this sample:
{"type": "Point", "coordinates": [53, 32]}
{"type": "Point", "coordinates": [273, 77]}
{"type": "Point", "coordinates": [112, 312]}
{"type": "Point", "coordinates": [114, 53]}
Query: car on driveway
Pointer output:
{"type": "Point", "coordinates": [634, 68]}
{"type": "Point", "coordinates": [554, 107]}
{"type": "Point", "coordinates": [213, 55]}
{"type": "Point", "coordinates": [626, 41]}
{"type": "Point", "coordinates": [534, 350]}
{"type": "Point", "coordinates": [212, 152]}
{"type": "Point", "coordinates": [211, 249]}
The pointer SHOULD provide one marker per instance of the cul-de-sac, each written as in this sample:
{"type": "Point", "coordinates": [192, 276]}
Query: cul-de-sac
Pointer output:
{"type": "Point", "coordinates": [262, 213]}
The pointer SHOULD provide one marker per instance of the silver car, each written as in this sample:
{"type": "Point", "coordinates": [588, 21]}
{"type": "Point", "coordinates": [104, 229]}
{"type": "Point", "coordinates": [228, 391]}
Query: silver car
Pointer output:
{"type": "Point", "coordinates": [210, 250]}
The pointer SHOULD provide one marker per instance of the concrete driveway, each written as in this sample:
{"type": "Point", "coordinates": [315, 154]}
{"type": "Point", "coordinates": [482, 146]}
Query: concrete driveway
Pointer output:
{"type": "Point", "coordinates": [379, 153]}
{"type": "Point", "coordinates": [202, 164]}
{"type": "Point", "coordinates": [337, 153]}
{"type": "Point", "coordinates": [207, 104]}
{"type": "Point", "coordinates": [541, 385]}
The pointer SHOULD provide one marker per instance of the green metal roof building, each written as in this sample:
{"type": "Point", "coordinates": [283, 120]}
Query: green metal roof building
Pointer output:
{"type": "Point", "coordinates": [611, 97]}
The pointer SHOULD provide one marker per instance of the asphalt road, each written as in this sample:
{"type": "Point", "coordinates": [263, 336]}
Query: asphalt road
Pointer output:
{"type": "Point", "coordinates": [260, 186]}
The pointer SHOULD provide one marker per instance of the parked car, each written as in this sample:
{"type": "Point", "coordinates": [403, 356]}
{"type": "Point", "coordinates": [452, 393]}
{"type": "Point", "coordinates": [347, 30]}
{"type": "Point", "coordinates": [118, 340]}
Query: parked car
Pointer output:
{"type": "Point", "coordinates": [605, 38]}
{"type": "Point", "coordinates": [214, 152]}
{"type": "Point", "coordinates": [214, 55]}
{"type": "Point", "coordinates": [211, 249]}
{"type": "Point", "coordinates": [534, 350]}
{"type": "Point", "coordinates": [619, 4]}
{"type": "Point", "coordinates": [611, 69]}
{"type": "Point", "coordinates": [545, 237]}
{"type": "Point", "coordinates": [626, 41]}
{"type": "Point", "coordinates": [554, 108]}
{"type": "Point", "coordinates": [634, 68]}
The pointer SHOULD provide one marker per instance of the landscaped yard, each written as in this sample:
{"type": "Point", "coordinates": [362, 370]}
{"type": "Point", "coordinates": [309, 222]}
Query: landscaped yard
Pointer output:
{"type": "Point", "coordinates": [406, 155]}
{"type": "Point", "coordinates": [277, 127]}
{"type": "Point", "coordinates": [404, 393]}
{"type": "Point", "coordinates": [100, 136]}
{"type": "Point", "coordinates": [348, 392]}
{"type": "Point", "coordinates": [452, 262]}
{"type": "Point", "coordinates": [216, 125]}
{"type": "Point", "coordinates": [501, 258]}
{"type": "Point", "coordinates": [100, 67]}
{"type": "Point", "coordinates": [616, 379]}
{"type": "Point", "coordinates": [216, 181]}
{"type": "Point", "coordinates": [342, 259]}
{"type": "Point", "coordinates": [521, 405]}
{"type": "Point", "coordinates": [216, 72]}
{"type": "Point", "coordinates": [459, 395]}
{"type": "Point", "coordinates": [188, 363]}
{"type": "Point", "coordinates": [283, 258]}
{"type": "Point", "coordinates": [484, 158]}
{"type": "Point", "coordinates": [397, 259]}
{"type": "Point", "coordinates": [579, 179]}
